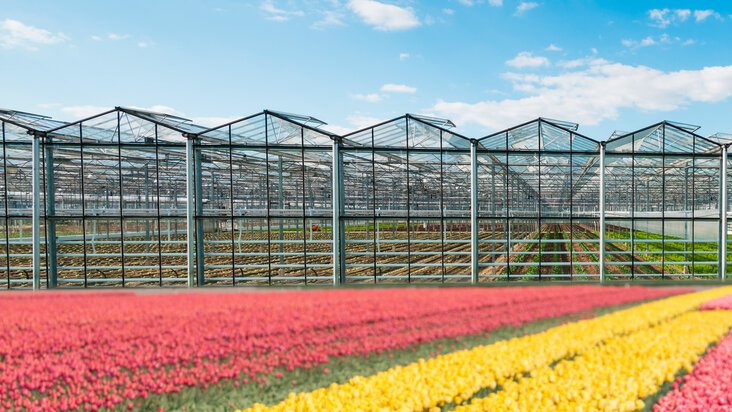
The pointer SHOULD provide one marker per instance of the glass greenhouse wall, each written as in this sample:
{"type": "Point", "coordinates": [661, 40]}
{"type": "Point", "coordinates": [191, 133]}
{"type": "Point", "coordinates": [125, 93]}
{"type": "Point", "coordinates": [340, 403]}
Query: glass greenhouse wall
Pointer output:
{"type": "Point", "coordinates": [136, 198]}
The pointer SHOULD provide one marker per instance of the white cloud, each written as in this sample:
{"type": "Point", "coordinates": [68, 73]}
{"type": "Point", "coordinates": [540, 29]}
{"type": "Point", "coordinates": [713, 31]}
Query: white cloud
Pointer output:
{"type": "Point", "coordinates": [356, 122]}
{"type": "Point", "coordinates": [587, 61]}
{"type": "Point", "coordinates": [277, 14]}
{"type": "Point", "coordinates": [329, 19]}
{"type": "Point", "coordinates": [648, 41]}
{"type": "Point", "coordinates": [470, 3]}
{"type": "Point", "coordinates": [525, 6]}
{"type": "Point", "coordinates": [449, 12]}
{"type": "Point", "coordinates": [383, 16]}
{"type": "Point", "coordinates": [662, 18]}
{"type": "Point", "coordinates": [142, 44]}
{"type": "Point", "coordinates": [398, 88]}
{"type": "Point", "coordinates": [404, 56]}
{"type": "Point", "coordinates": [663, 39]}
{"type": "Point", "coordinates": [115, 36]}
{"type": "Point", "coordinates": [361, 121]}
{"type": "Point", "coordinates": [96, 38]}
{"type": "Point", "coordinates": [526, 59]}
{"type": "Point", "coordinates": [682, 14]}
{"type": "Point", "coordinates": [14, 33]}
{"type": "Point", "coordinates": [370, 97]}
{"type": "Point", "coordinates": [593, 93]}
{"type": "Point", "coordinates": [701, 15]}
{"type": "Point", "coordinates": [553, 48]}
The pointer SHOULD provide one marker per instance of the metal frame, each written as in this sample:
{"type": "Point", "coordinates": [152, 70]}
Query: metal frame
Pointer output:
{"type": "Point", "coordinates": [272, 198]}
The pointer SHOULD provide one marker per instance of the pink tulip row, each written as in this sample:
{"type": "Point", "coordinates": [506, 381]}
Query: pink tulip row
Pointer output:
{"type": "Point", "coordinates": [724, 303]}
{"type": "Point", "coordinates": [96, 350]}
{"type": "Point", "coordinates": [708, 388]}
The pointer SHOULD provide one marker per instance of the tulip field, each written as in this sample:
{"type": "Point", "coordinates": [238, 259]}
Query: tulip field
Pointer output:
{"type": "Point", "coordinates": [419, 349]}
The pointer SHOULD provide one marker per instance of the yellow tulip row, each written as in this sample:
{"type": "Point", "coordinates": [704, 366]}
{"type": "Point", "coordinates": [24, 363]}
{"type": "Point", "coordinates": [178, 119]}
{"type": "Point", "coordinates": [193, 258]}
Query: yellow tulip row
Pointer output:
{"type": "Point", "coordinates": [455, 377]}
{"type": "Point", "coordinates": [616, 376]}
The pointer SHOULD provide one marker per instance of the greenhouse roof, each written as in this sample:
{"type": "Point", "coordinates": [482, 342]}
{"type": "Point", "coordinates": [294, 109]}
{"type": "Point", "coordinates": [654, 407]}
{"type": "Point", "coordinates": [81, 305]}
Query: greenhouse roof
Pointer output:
{"type": "Point", "coordinates": [663, 137]}
{"type": "Point", "coordinates": [29, 121]}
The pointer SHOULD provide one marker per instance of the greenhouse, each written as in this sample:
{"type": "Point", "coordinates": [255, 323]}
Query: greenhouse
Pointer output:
{"type": "Point", "coordinates": [135, 198]}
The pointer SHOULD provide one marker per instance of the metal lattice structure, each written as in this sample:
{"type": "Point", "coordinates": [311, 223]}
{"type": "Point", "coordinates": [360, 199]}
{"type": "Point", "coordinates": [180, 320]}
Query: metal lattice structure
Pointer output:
{"type": "Point", "coordinates": [136, 198]}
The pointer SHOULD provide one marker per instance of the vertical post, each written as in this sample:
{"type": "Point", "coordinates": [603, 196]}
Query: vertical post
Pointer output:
{"type": "Point", "coordinates": [474, 211]}
{"type": "Point", "coordinates": [339, 274]}
{"type": "Point", "coordinates": [190, 211]}
{"type": "Point", "coordinates": [50, 223]}
{"type": "Point", "coordinates": [602, 212]}
{"type": "Point", "coordinates": [723, 217]}
{"type": "Point", "coordinates": [198, 210]}
{"type": "Point", "coordinates": [36, 217]}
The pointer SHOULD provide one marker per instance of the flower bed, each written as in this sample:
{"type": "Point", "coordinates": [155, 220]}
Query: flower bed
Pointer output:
{"type": "Point", "coordinates": [92, 351]}
{"type": "Point", "coordinates": [458, 376]}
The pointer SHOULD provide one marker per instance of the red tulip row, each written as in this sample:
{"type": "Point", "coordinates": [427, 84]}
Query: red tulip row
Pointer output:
{"type": "Point", "coordinates": [724, 303]}
{"type": "Point", "coordinates": [91, 351]}
{"type": "Point", "coordinates": [707, 388]}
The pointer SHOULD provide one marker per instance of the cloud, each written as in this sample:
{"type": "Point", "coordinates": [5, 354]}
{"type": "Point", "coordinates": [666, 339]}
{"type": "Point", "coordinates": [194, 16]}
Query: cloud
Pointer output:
{"type": "Point", "coordinates": [370, 97]}
{"type": "Point", "coordinates": [142, 44]}
{"type": "Point", "coordinates": [404, 56]}
{"type": "Point", "coordinates": [277, 14]}
{"type": "Point", "coordinates": [470, 3]}
{"type": "Point", "coordinates": [553, 48]}
{"type": "Point", "coordinates": [383, 16]}
{"type": "Point", "coordinates": [525, 6]}
{"type": "Point", "coordinates": [398, 88]}
{"type": "Point", "coordinates": [663, 39]}
{"type": "Point", "coordinates": [593, 93]}
{"type": "Point", "coordinates": [14, 33]}
{"type": "Point", "coordinates": [449, 12]}
{"type": "Point", "coordinates": [361, 121]}
{"type": "Point", "coordinates": [115, 36]}
{"type": "Point", "coordinates": [701, 15]}
{"type": "Point", "coordinates": [662, 18]}
{"type": "Point", "coordinates": [330, 19]}
{"type": "Point", "coordinates": [526, 59]}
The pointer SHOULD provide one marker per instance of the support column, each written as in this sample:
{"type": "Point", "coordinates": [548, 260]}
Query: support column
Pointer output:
{"type": "Point", "coordinates": [36, 216]}
{"type": "Point", "coordinates": [602, 212]}
{"type": "Point", "coordinates": [474, 212]}
{"type": "Point", "coordinates": [190, 214]}
{"type": "Point", "coordinates": [723, 217]}
{"type": "Point", "coordinates": [51, 251]}
{"type": "Point", "coordinates": [197, 170]}
{"type": "Point", "coordinates": [339, 270]}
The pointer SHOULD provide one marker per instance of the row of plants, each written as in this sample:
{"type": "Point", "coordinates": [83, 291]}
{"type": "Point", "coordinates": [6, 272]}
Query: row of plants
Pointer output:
{"type": "Point", "coordinates": [455, 379]}
{"type": "Point", "coordinates": [107, 349]}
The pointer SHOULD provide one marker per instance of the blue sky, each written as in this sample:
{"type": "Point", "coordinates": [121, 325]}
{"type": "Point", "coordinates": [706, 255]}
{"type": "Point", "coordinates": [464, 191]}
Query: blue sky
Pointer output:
{"type": "Point", "coordinates": [486, 65]}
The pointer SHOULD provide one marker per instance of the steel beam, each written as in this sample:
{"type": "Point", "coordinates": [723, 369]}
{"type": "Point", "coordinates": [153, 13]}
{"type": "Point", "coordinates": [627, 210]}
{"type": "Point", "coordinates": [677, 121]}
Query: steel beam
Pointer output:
{"type": "Point", "coordinates": [190, 214]}
{"type": "Point", "coordinates": [51, 249]}
{"type": "Point", "coordinates": [197, 171]}
{"type": "Point", "coordinates": [474, 212]}
{"type": "Point", "coordinates": [339, 272]}
{"type": "Point", "coordinates": [602, 212]}
{"type": "Point", "coordinates": [36, 216]}
{"type": "Point", "coordinates": [723, 216]}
